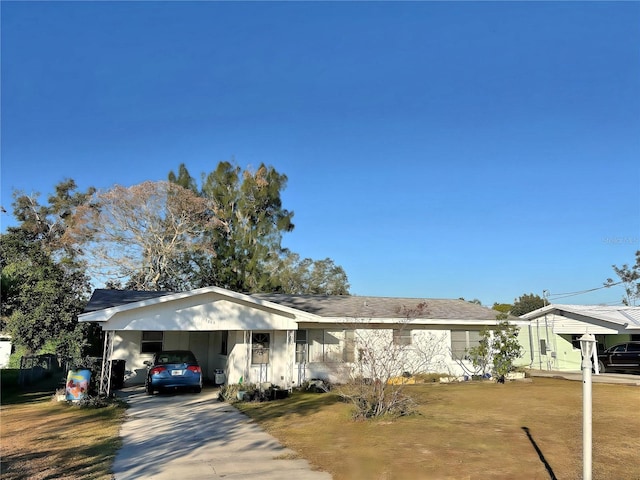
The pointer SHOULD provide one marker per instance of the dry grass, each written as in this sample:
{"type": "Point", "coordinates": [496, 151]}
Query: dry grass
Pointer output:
{"type": "Point", "coordinates": [42, 439]}
{"type": "Point", "coordinates": [521, 430]}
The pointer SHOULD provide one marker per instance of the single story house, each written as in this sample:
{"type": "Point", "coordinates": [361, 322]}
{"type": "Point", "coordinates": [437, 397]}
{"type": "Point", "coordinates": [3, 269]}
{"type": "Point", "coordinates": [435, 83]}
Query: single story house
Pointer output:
{"type": "Point", "coordinates": [556, 330]}
{"type": "Point", "coordinates": [286, 339]}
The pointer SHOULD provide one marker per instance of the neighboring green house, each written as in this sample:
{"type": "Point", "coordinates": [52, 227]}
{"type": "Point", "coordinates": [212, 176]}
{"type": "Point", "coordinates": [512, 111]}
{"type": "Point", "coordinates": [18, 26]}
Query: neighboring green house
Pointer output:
{"type": "Point", "coordinates": [286, 339]}
{"type": "Point", "coordinates": [555, 331]}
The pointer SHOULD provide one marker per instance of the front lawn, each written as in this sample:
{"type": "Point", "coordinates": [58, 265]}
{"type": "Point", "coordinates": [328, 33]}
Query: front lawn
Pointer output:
{"type": "Point", "coordinates": [42, 439]}
{"type": "Point", "coordinates": [472, 430]}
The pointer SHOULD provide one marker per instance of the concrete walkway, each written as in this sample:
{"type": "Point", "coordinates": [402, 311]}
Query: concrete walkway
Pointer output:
{"type": "Point", "coordinates": [188, 436]}
{"type": "Point", "coordinates": [621, 378]}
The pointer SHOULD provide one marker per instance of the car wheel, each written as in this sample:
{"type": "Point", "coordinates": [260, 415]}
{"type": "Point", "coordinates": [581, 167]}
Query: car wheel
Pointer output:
{"type": "Point", "coordinates": [197, 389]}
{"type": "Point", "coordinates": [601, 368]}
{"type": "Point", "coordinates": [149, 389]}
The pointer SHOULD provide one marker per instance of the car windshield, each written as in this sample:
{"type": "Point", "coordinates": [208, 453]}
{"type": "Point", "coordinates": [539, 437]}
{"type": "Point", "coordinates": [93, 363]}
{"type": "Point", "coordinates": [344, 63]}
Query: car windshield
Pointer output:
{"type": "Point", "coordinates": [176, 357]}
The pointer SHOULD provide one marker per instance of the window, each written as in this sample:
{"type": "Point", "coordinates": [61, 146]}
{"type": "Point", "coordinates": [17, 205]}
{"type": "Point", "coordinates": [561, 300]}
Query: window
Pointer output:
{"type": "Point", "coordinates": [224, 342]}
{"type": "Point", "coordinates": [301, 346]}
{"type": "Point", "coordinates": [260, 348]}
{"type": "Point", "coordinates": [151, 342]}
{"type": "Point", "coordinates": [543, 346]}
{"type": "Point", "coordinates": [462, 340]}
{"type": "Point", "coordinates": [402, 337]}
{"type": "Point", "coordinates": [330, 345]}
{"type": "Point", "coordinates": [633, 347]}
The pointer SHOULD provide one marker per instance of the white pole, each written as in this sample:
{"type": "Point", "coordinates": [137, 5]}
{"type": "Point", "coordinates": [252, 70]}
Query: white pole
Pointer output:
{"type": "Point", "coordinates": [587, 343]}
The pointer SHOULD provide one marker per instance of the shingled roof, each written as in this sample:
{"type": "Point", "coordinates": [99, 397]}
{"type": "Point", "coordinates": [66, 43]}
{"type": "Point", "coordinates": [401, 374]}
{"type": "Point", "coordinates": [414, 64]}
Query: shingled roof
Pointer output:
{"type": "Point", "coordinates": [327, 306]}
{"type": "Point", "coordinates": [107, 298]}
{"type": "Point", "coordinates": [381, 307]}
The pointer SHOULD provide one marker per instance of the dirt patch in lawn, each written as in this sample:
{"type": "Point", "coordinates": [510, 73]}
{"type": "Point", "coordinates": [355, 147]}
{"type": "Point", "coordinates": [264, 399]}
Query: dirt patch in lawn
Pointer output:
{"type": "Point", "coordinates": [466, 431]}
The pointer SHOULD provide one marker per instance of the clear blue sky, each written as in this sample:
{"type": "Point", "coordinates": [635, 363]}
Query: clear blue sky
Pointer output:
{"type": "Point", "coordinates": [433, 149]}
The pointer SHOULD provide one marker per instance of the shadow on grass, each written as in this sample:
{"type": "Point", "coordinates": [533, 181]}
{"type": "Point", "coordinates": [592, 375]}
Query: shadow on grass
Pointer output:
{"type": "Point", "coordinates": [13, 394]}
{"type": "Point", "coordinates": [552, 475]}
{"type": "Point", "coordinates": [298, 403]}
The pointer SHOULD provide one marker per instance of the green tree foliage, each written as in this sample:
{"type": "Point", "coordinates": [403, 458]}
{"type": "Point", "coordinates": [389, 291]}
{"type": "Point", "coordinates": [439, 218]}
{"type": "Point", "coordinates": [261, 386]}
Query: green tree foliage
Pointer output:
{"type": "Point", "coordinates": [41, 298]}
{"type": "Point", "coordinates": [44, 285]}
{"type": "Point", "coordinates": [630, 279]}
{"type": "Point", "coordinates": [254, 220]}
{"type": "Point", "coordinates": [308, 277]}
{"type": "Point", "coordinates": [498, 348]}
{"type": "Point", "coordinates": [506, 349]}
{"type": "Point", "coordinates": [48, 223]}
{"type": "Point", "coordinates": [503, 308]}
{"type": "Point", "coordinates": [249, 256]}
{"type": "Point", "coordinates": [526, 303]}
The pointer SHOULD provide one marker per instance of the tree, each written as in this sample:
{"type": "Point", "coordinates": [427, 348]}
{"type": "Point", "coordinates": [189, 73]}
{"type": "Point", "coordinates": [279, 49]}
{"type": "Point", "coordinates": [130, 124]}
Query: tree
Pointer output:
{"type": "Point", "coordinates": [630, 279]}
{"type": "Point", "coordinates": [311, 277]}
{"type": "Point", "coordinates": [503, 308]}
{"type": "Point", "coordinates": [526, 303]}
{"type": "Point", "coordinates": [48, 223]}
{"type": "Point", "coordinates": [41, 298]}
{"type": "Point", "coordinates": [506, 349]}
{"type": "Point", "coordinates": [384, 359]}
{"type": "Point", "coordinates": [142, 235]}
{"type": "Point", "coordinates": [249, 205]}
{"type": "Point", "coordinates": [44, 285]}
{"type": "Point", "coordinates": [499, 348]}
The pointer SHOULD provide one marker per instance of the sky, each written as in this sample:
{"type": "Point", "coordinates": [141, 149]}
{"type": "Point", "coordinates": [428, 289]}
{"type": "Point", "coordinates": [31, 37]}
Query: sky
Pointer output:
{"type": "Point", "coordinates": [433, 149]}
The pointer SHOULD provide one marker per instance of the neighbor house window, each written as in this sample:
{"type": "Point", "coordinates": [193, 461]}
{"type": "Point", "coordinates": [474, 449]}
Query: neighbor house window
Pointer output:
{"type": "Point", "coordinates": [260, 348]}
{"type": "Point", "coordinates": [151, 342]}
{"type": "Point", "coordinates": [462, 341]}
{"type": "Point", "coordinates": [402, 337]}
{"type": "Point", "coordinates": [302, 352]}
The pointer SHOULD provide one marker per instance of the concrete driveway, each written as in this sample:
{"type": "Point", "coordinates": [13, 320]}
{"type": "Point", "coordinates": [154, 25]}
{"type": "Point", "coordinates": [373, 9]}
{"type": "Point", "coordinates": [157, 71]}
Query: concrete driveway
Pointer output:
{"type": "Point", "coordinates": [187, 436]}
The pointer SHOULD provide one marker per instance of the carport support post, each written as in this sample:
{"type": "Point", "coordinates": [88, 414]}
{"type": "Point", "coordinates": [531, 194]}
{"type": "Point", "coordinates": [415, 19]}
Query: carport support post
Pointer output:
{"type": "Point", "coordinates": [587, 344]}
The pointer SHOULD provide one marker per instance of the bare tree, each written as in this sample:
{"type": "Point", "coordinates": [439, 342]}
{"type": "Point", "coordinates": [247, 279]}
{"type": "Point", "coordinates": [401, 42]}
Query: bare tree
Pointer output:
{"type": "Point", "coordinates": [140, 235]}
{"type": "Point", "coordinates": [385, 359]}
{"type": "Point", "coordinates": [630, 279]}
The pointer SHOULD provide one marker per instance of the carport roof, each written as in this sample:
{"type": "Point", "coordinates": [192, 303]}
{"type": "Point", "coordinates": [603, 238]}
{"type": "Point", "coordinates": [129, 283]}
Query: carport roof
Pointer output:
{"type": "Point", "coordinates": [628, 317]}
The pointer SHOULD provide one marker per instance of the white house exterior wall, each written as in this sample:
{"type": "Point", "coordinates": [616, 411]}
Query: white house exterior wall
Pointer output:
{"type": "Point", "coordinates": [430, 352]}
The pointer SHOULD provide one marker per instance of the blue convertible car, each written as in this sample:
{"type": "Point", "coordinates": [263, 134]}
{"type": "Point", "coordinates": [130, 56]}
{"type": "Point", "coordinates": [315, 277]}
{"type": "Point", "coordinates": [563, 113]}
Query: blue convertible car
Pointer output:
{"type": "Point", "coordinates": [173, 369]}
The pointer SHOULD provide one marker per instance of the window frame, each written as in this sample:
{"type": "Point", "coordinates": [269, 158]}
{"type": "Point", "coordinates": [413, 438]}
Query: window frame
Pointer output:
{"type": "Point", "coordinates": [402, 337]}
{"type": "Point", "coordinates": [455, 354]}
{"type": "Point", "coordinates": [258, 348]}
{"type": "Point", "coordinates": [302, 349]}
{"type": "Point", "coordinates": [151, 345]}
